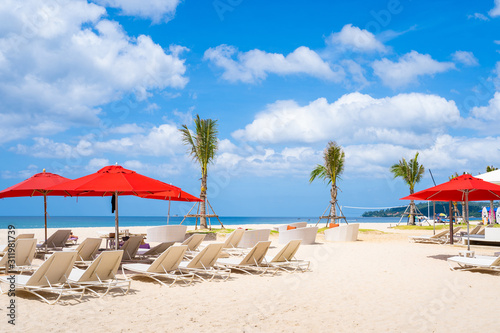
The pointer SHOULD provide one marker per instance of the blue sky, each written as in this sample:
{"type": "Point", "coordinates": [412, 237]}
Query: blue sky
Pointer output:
{"type": "Point", "coordinates": [88, 84]}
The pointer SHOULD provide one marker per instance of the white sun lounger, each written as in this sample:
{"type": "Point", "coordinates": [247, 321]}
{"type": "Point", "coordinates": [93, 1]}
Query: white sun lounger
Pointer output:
{"type": "Point", "coordinates": [130, 247]}
{"type": "Point", "coordinates": [154, 251]}
{"type": "Point", "coordinates": [165, 266]}
{"type": "Point", "coordinates": [285, 258]}
{"type": "Point", "coordinates": [20, 236]}
{"type": "Point", "coordinates": [252, 261]}
{"type": "Point", "coordinates": [439, 238]}
{"type": "Point", "coordinates": [21, 258]}
{"type": "Point", "coordinates": [471, 232]}
{"type": "Point", "coordinates": [57, 240]}
{"type": "Point", "coordinates": [193, 243]}
{"type": "Point", "coordinates": [86, 251]}
{"type": "Point", "coordinates": [50, 277]}
{"type": "Point", "coordinates": [101, 273]}
{"type": "Point", "coordinates": [476, 263]}
{"type": "Point", "coordinates": [203, 263]}
{"type": "Point", "coordinates": [231, 243]}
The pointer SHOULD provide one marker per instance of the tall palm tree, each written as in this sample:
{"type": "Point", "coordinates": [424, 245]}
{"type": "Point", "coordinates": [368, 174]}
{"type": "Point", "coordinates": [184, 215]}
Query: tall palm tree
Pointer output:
{"type": "Point", "coordinates": [203, 148]}
{"type": "Point", "coordinates": [412, 173]}
{"type": "Point", "coordinates": [334, 158]}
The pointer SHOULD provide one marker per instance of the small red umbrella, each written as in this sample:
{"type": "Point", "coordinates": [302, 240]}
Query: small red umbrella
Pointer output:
{"type": "Point", "coordinates": [172, 196]}
{"type": "Point", "coordinates": [462, 188]}
{"type": "Point", "coordinates": [37, 185]}
{"type": "Point", "coordinates": [169, 195]}
{"type": "Point", "coordinates": [115, 180]}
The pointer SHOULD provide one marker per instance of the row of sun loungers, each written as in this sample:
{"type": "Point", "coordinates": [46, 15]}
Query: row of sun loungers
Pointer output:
{"type": "Point", "coordinates": [59, 274]}
{"type": "Point", "coordinates": [439, 238]}
{"type": "Point", "coordinates": [485, 263]}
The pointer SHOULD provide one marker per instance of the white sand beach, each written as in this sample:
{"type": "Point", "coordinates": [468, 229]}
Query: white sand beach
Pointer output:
{"type": "Point", "coordinates": [379, 283]}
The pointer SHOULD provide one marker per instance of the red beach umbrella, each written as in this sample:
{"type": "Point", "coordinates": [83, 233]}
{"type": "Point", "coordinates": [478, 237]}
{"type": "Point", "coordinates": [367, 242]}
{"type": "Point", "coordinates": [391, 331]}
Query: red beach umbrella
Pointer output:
{"type": "Point", "coordinates": [115, 180]}
{"type": "Point", "coordinates": [37, 185]}
{"type": "Point", "coordinates": [462, 188]}
{"type": "Point", "coordinates": [171, 196]}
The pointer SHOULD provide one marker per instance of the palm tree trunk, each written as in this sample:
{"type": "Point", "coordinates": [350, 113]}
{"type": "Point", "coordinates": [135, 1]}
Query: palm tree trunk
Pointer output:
{"type": "Point", "coordinates": [333, 203]}
{"type": "Point", "coordinates": [492, 212]}
{"type": "Point", "coordinates": [412, 213]}
{"type": "Point", "coordinates": [203, 197]}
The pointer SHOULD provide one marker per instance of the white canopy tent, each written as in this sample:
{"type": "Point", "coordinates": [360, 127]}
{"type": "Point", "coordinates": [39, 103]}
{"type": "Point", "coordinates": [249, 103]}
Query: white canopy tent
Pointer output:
{"type": "Point", "coordinates": [492, 177]}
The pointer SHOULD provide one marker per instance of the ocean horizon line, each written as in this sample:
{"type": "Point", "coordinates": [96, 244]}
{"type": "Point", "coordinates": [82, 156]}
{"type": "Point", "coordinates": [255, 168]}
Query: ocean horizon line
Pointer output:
{"type": "Point", "coordinates": [28, 222]}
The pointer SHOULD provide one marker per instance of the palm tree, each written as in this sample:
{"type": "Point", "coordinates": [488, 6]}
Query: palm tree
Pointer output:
{"type": "Point", "coordinates": [202, 147]}
{"type": "Point", "coordinates": [412, 173]}
{"type": "Point", "coordinates": [334, 158]}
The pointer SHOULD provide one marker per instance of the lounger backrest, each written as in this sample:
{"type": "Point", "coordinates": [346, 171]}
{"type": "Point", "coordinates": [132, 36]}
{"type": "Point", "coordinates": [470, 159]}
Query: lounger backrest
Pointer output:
{"type": "Point", "coordinates": [54, 270]}
{"type": "Point", "coordinates": [130, 247]}
{"type": "Point", "coordinates": [456, 229]}
{"type": "Point", "coordinates": [88, 249]}
{"type": "Point", "coordinates": [194, 241]}
{"type": "Point", "coordinates": [207, 257]}
{"type": "Point", "coordinates": [288, 251]}
{"type": "Point", "coordinates": [104, 267]}
{"type": "Point", "coordinates": [233, 239]}
{"type": "Point", "coordinates": [25, 251]}
{"type": "Point", "coordinates": [496, 263]}
{"type": "Point", "coordinates": [475, 230]}
{"type": "Point", "coordinates": [256, 254]}
{"type": "Point", "coordinates": [160, 248]}
{"type": "Point", "coordinates": [440, 234]}
{"type": "Point", "coordinates": [168, 260]}
{"type": "Point", "coordinates": [23, 236]}
{"type": "Point", "coordinates": [58, 238]}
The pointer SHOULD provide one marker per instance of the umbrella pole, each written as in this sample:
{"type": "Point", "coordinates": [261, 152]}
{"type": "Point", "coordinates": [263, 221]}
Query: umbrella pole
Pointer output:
{"type": "Point", "coordinates": [450, 218]}
{"type": "Point", "coordinates": [467, 218]}
{"type": "Point", "coordinates": [45, 217]}
{"type": "Point", "coordinates": [117, 237]}
{"type": "Point", "coordinates": [168, 216]}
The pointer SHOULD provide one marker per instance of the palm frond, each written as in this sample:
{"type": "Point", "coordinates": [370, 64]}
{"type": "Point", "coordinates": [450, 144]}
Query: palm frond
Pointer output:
{"type": "Point", "coordinates": [410, 171]}
{"type": "Point", "coordinates": [203, 145]}
{"type": "Point", "coordinates": [334, 159]}
{"type": "Point", "coordinates": [319, 172]}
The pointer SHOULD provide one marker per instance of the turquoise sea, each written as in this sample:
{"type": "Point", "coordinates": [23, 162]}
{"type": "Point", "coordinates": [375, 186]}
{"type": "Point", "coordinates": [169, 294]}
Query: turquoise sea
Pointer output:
{"type": "Point", "coordinates": [25, 222]}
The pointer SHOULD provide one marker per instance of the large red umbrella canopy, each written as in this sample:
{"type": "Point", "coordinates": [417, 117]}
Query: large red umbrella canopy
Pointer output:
{"type": "Point", "coordinates": [37, 185]}
{"type": "Point", "coordinates": [462, 188]}
{"type": "Point", "coordinates": [456, 190]}
{"type": "Point", "coordinates": [115, 180]}
{"type": "Point", "coordinates": [112, 179]}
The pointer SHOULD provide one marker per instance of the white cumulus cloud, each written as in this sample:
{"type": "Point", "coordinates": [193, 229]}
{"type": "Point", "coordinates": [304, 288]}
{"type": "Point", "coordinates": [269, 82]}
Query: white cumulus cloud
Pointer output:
{"type": "Point", "coordinates": [61, 60]}
{"type": "Point", "coordinates": [255, 65]}
{"type": "Point", "coordinates": [408, 68]}
{"type": "Point", "coordinates": [354, 117]}
{"type": "Point", "coordinates": [491, 112]}
{"type": "Point", "coordinates": [163, 140]}
{"type": "Point", "coordinates": [495, 11]}
{"type": "Point", "coordinates": [356, 39]}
